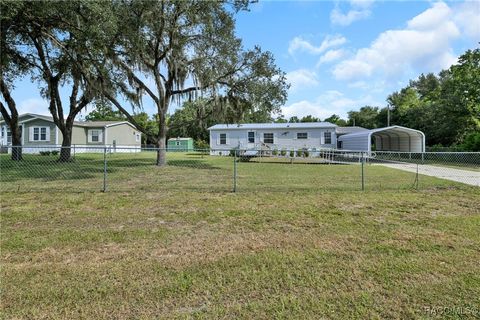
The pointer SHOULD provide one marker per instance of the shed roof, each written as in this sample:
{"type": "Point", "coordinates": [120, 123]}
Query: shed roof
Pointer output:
{"type": "Point", "coordinates": [179, 139]}
{"type": "Point", "coordinates": [252, 126]}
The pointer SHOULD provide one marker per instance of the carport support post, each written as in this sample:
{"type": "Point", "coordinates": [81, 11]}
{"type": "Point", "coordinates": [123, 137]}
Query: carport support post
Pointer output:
{"type": "Point", "coordinates": [104, 169]}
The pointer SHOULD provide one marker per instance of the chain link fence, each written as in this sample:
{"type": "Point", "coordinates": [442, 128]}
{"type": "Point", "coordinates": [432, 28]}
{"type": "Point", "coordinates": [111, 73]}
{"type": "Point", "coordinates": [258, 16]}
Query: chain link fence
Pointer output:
{"type": "Point", "coordinates": [133, 169]}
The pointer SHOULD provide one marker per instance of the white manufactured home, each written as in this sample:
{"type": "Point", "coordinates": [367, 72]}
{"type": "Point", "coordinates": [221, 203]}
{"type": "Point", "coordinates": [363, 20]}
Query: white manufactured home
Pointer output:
{"type": "Point", "coordinates": [312, 136]}
{"type": "Point", "coordinates": [288, 136]}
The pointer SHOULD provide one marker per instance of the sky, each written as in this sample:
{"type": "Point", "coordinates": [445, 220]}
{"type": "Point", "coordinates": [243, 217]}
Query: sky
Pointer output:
{"type": "Point", "coordinates": [341, 55]}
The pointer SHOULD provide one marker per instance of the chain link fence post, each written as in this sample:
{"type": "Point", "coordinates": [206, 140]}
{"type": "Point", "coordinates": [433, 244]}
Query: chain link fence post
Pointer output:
{"type": "Point", "coordinates": [104, 169]}
{"type": "Point", "coordinates": [416, 178]}
{"type": "Point", "coordinates": [235, 170]}
{"type": "Point", "coordinates": [363, 174]}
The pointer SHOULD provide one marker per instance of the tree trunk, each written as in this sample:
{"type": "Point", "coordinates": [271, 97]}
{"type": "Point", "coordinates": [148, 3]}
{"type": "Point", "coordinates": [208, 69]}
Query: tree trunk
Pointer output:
{"type": "Point", "coordinates": [16, 143]}
{"type": "Point", "coordinates": [162, 141]}
{"type": "Point", "coordinates": [66, 151]}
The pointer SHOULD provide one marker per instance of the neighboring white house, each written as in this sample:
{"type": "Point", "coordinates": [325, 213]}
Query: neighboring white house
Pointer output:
{"type": "Point", "coordinates": [312, 136]}
{"type": "Point", "coordinates": [288, 136]}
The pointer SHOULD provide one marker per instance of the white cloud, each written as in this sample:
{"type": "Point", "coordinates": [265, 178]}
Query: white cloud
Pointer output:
{"type": "Point", "coordinates": [424, 44]}
{"type": "Point", "coordinates": [430, 18]}
{"type": "Point", "coordinates": [331, 102]}
{"type": "Point", "coordinates": [302, 45]}
{"type": "Point", "coordinates": [467, 17]}
{"type": "Point", "coordinates": [359, 9]}
{"type": "Point", "coordinates": [331, 55]}
{"type": "Point", "coordinates": [345, 19]}
{"type": "Point", "coordinates": [302, 78]}
{"type": "Point", "coordinates": [33, 105]}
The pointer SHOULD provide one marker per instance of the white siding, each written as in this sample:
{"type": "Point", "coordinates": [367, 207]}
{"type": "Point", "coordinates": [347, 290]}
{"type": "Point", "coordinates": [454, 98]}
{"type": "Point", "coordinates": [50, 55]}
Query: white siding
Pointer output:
{"type": "Point", "coordinates": [283, 138]}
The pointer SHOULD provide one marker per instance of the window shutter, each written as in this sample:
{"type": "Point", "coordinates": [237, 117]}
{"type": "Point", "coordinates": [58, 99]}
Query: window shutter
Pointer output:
{"type": "Point", "coordinates": [227, 140]}
{"type": "Point", "coordinates": [322, 138]}
{"type": "Point", "coordinates": [218, 139]}
{"type": "Point", "coordinates": [89, 138]}
{"type": "Point", "coordinates": [47, 134]}
{"type": "Point", "coordinates": [100, 135]}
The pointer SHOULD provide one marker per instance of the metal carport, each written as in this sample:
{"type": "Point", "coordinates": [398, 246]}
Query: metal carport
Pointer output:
{"type": "Point", "coordinates": [394, 138]}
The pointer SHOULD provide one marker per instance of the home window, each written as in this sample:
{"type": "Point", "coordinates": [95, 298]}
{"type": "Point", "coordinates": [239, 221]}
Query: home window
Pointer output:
{"type": "Point", "coordinates": [177, 143]}
{"type": "Point", "coordinates": [251, 137]}
{"type": "Point", "coordinates": [268, 138]}
{"type": "Point", "coordinates": [95, 135]}
{"type": "Point", "coordinates": [223, 138]}
{"type": "Point", "coordinates": [9, 135]}
{"type": "Point", "coordinates": [327, 137]}
{"type": "Point", "coordinates": [39, 134]}
{"type": "Point", "coordinates": [137, 137]}
{"type": "Point", "coordinates": [36, 132]}
{"type": "Point", "coordinates": [302, 135]}
{"type": "Point", "coordinates": [43, 134]}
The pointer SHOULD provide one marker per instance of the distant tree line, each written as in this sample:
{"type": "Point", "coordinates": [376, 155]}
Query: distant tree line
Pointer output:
{"type": "Point", "coordinates": [446, 107]}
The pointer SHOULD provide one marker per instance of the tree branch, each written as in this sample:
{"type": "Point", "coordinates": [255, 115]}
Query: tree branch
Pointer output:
{"type": "Point", "coordinates": [132, 75]}
{"type": "Point", "coordinates": [131, 119]}
{"type": "Point", "coordinates": [13, 116]}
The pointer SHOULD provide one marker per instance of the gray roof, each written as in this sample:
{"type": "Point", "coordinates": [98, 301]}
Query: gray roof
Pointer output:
{"type": "Point", "coordinates": [301, 125]}
{"type": "Point", "coordinates": [347, 130]}
{"type": "Point", "coordinates": [93, 124]}
{"type": "Point", "coordinates": [395, 129]}
{"type": "Point", "coordinates": [96, 123]}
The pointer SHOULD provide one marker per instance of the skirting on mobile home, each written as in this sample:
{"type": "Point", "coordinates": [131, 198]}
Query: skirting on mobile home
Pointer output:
{"type": "Point", "coordinates": [312, 136]}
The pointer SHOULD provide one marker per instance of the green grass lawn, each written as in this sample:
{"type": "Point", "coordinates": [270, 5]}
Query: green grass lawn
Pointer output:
{"type": "Point", "coordinates": [295, 241]}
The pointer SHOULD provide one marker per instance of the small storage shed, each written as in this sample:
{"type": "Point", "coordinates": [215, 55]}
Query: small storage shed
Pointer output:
{"type": "Point", "coordinates": [394, 138]}
{"type": "Point", "coordinates": [180, 144]}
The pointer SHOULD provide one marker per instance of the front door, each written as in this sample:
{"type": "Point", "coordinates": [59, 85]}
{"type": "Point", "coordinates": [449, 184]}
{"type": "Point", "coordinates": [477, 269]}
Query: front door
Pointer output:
{"type": "Point", "coordinates": [251, 139]}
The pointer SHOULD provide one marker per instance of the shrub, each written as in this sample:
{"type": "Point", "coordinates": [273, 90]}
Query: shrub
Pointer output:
{"type": "Point", "coordinates": [200, 144]}
{"type": "Point", "coordinates": [292, 154]}
{"type": "Point", "coordinates": [245, 158]}
{"type": "Point", "coordinates": [299, 153]}
{"type": "Point", "coordinates": [54, 152]}
{"type": "Point", "coordinates": [283, 152]}
{"type": "Point", "coordinates": [306, 153]}
{"type": "Point", "coordinates": [44, 153]}
{"type": "Point", "coordinates": [275, 152]}
{"type": "Point", "coordinates": [233, 151]}
{"type": "Point", "coordinates": [471, 142]}
{"type": "Point", "coordinates": [436, 148]}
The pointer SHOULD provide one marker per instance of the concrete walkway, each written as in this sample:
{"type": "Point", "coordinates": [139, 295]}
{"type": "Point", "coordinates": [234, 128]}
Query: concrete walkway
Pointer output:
{"type": "Point", "coordinates": [463, 176]}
